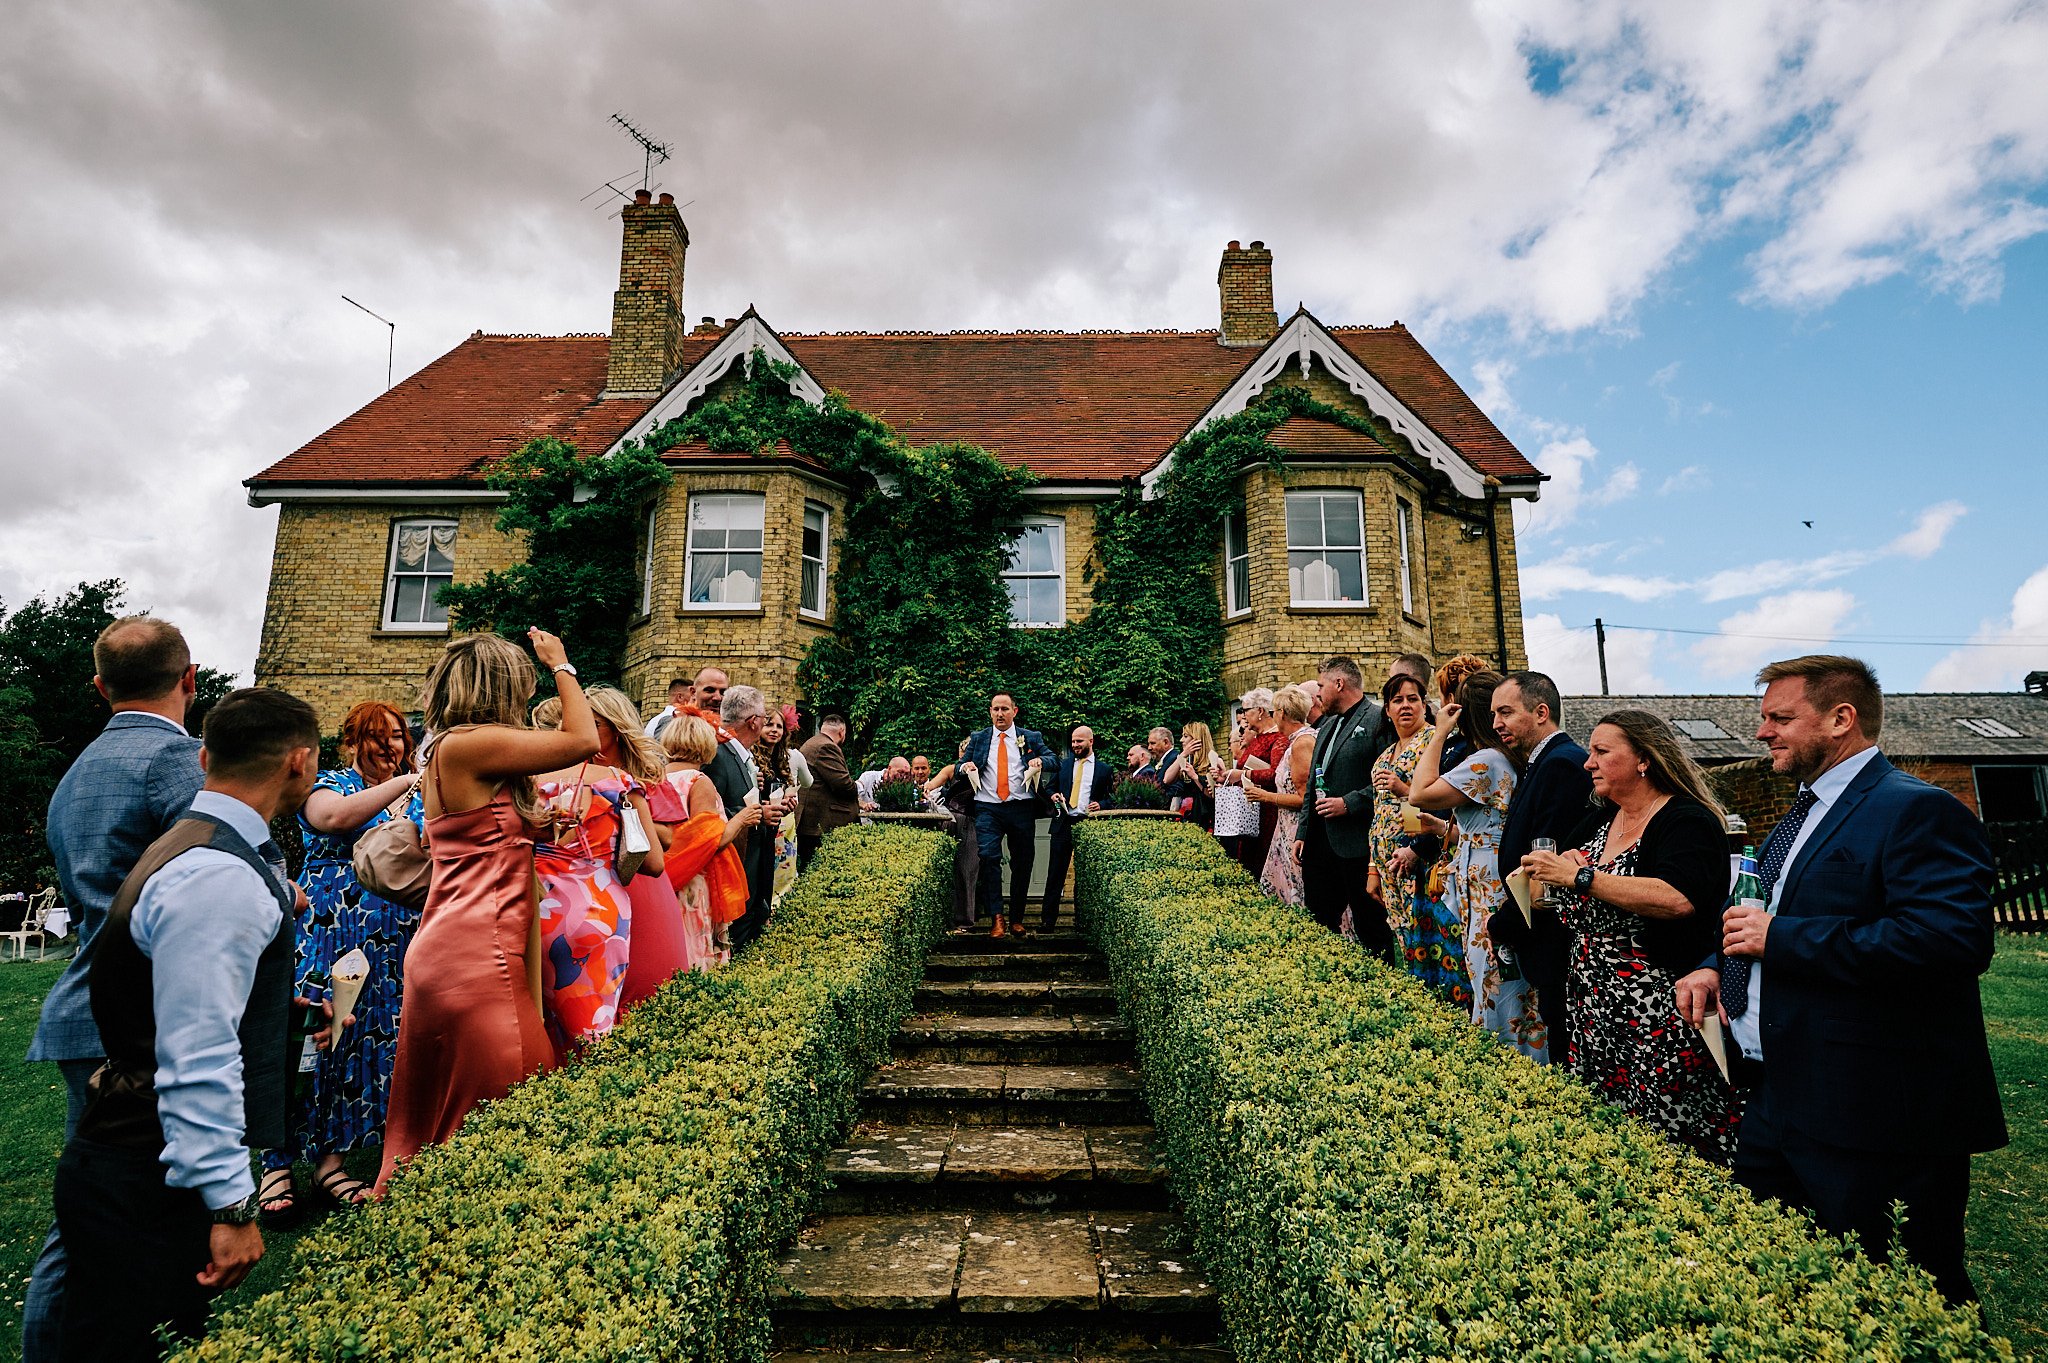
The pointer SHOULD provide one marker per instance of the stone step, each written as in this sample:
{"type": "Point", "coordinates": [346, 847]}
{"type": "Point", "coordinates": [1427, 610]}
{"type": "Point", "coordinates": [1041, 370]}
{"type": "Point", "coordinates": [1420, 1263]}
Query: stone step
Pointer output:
{"type": "Point", "coordinates": [997, 1095]}
{"type": "Point", "coordinates": [1016, 997]}
{"type": "Point", "coordinates": [1036, 1273]}
{"type": "Point", "coordinates": [1016, 965]}
{"type": "Point", "coordinates": [976, 941]}
{"type": "Point", "coordinates": [994, 1038]}
{"type": "Point", "coordinates": [900, 1168]}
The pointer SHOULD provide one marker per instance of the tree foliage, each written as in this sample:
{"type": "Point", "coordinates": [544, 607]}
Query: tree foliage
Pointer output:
{"type": "Point", "coordinates": [50, 711]}
{"type": "Point", "coordinates": [580, 516]}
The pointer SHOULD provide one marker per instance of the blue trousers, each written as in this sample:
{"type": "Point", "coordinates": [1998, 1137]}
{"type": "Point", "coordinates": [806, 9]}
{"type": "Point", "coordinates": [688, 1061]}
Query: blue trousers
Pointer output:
{"type": "Point", "coordinates": [42, 1310]}
{"type": "Point", "coordinates": [993, 824]}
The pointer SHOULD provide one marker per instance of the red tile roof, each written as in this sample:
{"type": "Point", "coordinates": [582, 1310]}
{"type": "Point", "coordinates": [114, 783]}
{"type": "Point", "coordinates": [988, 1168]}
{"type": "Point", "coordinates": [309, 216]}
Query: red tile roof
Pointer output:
{"type": "Point", "coordinates": [1321, 440]}
{"type": "Point", "coordinates": [1075, 406]}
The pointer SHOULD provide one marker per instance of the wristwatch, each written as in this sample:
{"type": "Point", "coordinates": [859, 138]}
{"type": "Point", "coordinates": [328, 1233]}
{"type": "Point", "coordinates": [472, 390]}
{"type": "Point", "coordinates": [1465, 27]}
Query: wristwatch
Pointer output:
{"type": "Point", "coordinates": [239, 1213]}
{"type": "Point", "coordinates": [570, 668]}
{"type": "Point", "coordinates": [1583, 881]}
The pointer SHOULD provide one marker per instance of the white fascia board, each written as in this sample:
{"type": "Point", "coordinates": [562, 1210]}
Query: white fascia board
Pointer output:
{"type": "Point", "coordinates": [287, 493]}
{"type": "Point", "coordinates": [1073, 492]}
{"type": "Point", "coordinates": [749, 335]}
{"type": "Point", "coordinates": [1304, 339]}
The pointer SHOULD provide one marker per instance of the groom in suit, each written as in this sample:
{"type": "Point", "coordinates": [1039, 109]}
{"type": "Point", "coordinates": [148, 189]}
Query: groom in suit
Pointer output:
{"type": "Point", "coordinates": [1003, 759]}
{"type": "Point", "coordinates": [1081, 787]}
{"type": "Point", "coordinates": [130, 784]}
{"type": "Point", "coordinates": [1332, 842]}
{"type": "Point", "coordinates": [1550, 801]}
{"type": "Point", "coordinates": [1853, 992]}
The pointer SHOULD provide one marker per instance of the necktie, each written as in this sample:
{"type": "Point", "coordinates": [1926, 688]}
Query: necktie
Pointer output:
{"type": "Point", "coordinates": [1770, 865]}
{"type": "Point", "coordinates": [1080, 770]}
{"type": "Point", "coordinates": [1002, 767]}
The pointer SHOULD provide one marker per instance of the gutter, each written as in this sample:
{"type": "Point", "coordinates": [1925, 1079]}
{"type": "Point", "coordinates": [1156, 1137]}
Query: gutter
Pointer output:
{"type": "Point", "coordinates": [1500, 610]}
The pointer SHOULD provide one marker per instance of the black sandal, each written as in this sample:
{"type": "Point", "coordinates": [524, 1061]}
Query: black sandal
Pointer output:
{"type": "Point", "coordinates": [281, 1216]}
{"type": "Point", "coordinates": [342, 1188]}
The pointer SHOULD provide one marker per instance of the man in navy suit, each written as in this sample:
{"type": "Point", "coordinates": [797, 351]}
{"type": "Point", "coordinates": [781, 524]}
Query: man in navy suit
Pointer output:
{"type": "Point", "coordinates": [1551, 797]}
{"type": "Point", "coordinates": [1852, 992]}
{"type": "Point", "coordinates": [1080, 788]}
{"type": "Point", "coordinates": [125, 790]}
{"type": "Point", "coordinates": [1001, 761]}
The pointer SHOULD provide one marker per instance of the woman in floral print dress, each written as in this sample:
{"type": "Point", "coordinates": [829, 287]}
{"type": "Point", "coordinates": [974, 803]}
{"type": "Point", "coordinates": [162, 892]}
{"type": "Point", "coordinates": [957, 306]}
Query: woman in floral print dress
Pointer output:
{"type": "Point", "coordinates": [1478, 791]}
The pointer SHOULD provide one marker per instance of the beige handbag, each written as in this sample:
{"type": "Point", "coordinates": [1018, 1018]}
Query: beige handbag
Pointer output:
{"type": "Point", "coordinates": [391, 859]}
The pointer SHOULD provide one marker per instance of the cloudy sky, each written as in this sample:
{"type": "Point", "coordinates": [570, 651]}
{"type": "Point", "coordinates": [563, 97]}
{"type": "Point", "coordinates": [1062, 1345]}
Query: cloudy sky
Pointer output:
{"type": "Point", "coordinates": [1721, 270]}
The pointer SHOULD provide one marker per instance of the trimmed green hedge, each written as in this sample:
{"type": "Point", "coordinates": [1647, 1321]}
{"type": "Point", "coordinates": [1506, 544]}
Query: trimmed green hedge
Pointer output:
{"type": "Point", "coordinates": [630, 1205]}
{"type": "Point", "coordinates": [1369, 1176]}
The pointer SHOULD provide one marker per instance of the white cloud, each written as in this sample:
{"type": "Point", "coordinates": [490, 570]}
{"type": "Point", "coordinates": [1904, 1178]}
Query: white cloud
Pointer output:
{"type": "Point", "coordinates": [1928, 532]}
{"type": "Point", "coordinates": [1691, 478]}
{"type": "Point", "coordinates": [2003, 651]}
{"type": "Point", "coordinates": [1776, 627]}
{"type": "Point", "coordinates": [1930, 529]}
{"type": "Point", "coordinates": [1572, 658]}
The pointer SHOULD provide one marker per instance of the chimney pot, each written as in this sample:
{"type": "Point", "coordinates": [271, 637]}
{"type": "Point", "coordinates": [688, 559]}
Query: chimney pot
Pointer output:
{"type": "Point", "coordinates": [668, 198]}
{"type": "Point", "coordinates": [641, 196]}
{"type": "Point", "coordinates": [1232, 247]}
{"type": "Point", "coordinates": [1256, 246]}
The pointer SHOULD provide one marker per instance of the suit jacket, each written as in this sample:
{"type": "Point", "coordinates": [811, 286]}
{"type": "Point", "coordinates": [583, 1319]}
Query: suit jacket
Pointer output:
{"type": "Point", "coordinates": [831, 800]}
{"type": "Point", "coordinates": [1346, 747]}
{"type": "Point", "coordinates": [1099, 786]}
{"type": "Point", "coordinates": [123, 793]}
{"type": "Point", "coordinates": [1551, 801]}
{"type": "Point", "coordinates": [1873, 1032]}
{"type": "Point", "coordinates": [1030, 744]}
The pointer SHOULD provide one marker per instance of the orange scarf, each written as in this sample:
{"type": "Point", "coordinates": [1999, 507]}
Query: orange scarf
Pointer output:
{"type": "Point", "coordinates": [696, 852]}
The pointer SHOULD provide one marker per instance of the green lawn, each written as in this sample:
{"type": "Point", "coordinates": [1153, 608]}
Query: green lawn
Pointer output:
{"type": "Point", "coordinates": [2008, 1208]}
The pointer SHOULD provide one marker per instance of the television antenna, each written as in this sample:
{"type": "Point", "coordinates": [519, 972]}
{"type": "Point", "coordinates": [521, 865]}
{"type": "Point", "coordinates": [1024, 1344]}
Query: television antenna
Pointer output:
{"type": "Point", "coordinates": [390, 339]}
{"type": "Point", "coordinates": [654, 153]}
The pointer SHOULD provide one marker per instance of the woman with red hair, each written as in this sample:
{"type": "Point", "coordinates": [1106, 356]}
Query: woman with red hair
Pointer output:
{"type": "Point", "coordinates": [343, 1108]}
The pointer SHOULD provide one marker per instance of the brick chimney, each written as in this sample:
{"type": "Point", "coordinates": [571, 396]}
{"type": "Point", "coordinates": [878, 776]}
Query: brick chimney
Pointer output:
{"type": "Point", "coordinates": [1245, 279]}
{"type": "Point", "coordinates": [647, 311]}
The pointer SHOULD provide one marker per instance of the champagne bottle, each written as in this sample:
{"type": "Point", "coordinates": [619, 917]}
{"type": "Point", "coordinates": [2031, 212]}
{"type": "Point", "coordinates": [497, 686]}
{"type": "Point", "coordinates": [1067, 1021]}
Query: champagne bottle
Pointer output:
{"type": "Point", "coordinates": [1749, 889]}
{"type": "Point", "coordinates": [305, 1022]}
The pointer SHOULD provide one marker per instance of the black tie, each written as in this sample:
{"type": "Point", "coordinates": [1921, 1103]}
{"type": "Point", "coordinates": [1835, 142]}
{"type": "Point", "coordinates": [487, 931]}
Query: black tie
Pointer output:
{"type": "Point", "coordinates": [1769, 866]}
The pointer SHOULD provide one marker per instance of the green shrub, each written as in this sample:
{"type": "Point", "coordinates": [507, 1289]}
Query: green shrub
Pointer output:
{"type": "Point", "coordinates": [629, 1206]}
{"type": "Point", "coordinates": [1138, 792]}
{"type": "Point", "coordinates": [900, 796]}
{"type": "Point", "coordinates": [1369, 1176]}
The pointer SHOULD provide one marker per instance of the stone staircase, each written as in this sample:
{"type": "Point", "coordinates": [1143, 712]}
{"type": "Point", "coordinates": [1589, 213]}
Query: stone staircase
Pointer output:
{"type": "Point", "coordinates": [998, 1199]}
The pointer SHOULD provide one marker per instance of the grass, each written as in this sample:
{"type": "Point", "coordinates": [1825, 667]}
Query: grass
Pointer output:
{"type": "Point", "coordinates": [2008, 1199]}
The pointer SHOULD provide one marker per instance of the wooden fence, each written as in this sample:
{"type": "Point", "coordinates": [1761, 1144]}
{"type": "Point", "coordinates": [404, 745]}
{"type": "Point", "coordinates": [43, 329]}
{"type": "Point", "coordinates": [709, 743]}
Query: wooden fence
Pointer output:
{"type": "Point", "coordinates": [2019, 903]}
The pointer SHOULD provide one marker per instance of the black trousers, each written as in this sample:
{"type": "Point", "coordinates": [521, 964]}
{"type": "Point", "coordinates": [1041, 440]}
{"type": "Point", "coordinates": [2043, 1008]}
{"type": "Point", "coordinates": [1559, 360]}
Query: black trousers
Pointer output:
{"type": "Point", "coordinates": [759, 860]}
{"type": "Point", "coordinates": [966, 864]}
{"type": "Point", "coordinates": [994, 824]}
{"type": "Point", "coordinates": [1331, 884]}
{"type": "Point", "coordinates": [136, 1247]}
{"type": "Point", "coordinates": [1061, 852]}
{"type": "Point", "coordinates": [1852, 1191]}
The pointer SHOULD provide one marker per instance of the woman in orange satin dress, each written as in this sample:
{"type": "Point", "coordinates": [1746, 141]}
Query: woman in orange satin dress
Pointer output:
{"type": "Point", "coordinates": [469, 1027]}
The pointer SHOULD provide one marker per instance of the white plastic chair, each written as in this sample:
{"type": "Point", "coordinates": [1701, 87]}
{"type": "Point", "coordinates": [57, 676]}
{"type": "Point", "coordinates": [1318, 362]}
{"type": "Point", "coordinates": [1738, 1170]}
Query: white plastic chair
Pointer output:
{"type": "Point", "coordinates": [39, 907]}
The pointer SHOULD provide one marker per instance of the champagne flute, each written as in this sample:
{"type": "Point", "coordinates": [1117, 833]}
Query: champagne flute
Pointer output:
{"type": "Point", "coordinates": [1542, 890]}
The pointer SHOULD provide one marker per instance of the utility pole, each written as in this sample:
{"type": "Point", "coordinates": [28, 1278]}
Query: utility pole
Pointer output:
{"type": "Point", "coordinates": [1600, 638]}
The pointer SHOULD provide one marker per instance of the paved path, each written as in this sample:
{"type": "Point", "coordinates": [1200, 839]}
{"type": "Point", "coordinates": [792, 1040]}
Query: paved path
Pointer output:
{"type": "Point", "coordinates": [998, 1199]}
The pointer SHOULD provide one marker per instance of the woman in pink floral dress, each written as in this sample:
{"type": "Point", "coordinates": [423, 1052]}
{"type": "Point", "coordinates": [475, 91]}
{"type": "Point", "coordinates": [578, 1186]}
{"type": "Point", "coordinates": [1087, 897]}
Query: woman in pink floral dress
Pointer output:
{"type": "Point", "coordinates": [1292, 755]}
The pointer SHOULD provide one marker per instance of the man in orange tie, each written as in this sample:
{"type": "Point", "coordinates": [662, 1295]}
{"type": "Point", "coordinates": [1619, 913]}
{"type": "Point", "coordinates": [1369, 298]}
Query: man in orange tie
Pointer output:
{"type": "Point", "coordinates": [1002, 761]}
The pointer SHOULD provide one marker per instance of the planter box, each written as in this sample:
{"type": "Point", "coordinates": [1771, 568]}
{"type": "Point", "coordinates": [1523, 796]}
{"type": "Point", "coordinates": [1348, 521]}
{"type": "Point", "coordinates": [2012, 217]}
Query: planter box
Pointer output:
{"type": "Point", "coordinates": [1134, 814]}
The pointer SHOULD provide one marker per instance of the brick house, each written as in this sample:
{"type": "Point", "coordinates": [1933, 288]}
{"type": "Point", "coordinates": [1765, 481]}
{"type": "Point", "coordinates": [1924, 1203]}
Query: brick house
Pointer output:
{"type": "Point", "coordinates": [1371, 547]}
{"type": "Point", "coordinates": [1987, 748]}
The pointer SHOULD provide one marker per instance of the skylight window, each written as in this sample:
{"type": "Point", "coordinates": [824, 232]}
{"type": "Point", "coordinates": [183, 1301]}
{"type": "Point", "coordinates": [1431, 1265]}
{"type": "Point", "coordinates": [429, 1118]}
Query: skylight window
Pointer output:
{"type": "Point", "coordinates": [1700, 728]}
{"type": "Point", "coordinates": [1985, 727]}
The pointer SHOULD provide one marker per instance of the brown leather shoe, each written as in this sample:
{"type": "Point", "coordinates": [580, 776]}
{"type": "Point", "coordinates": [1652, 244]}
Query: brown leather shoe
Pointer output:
{"type": "Point", "coordinates": [997, 930]}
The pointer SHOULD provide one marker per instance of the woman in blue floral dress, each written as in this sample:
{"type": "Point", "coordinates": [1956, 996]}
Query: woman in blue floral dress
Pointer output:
{"type": "Point", "coordinates": [343, 1109]}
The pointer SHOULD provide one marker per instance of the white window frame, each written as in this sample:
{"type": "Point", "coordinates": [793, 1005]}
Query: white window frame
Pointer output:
{"type": "Point", "coordinates": [1237, 525]}
{"type": "Point", "coordinates": [1058, 574]}
{"type": "Point", "coordinates": [823, 560]}
{"type": "Point", "coordinates": [1408, 530]}
{"type": "Point", "coordinates": [691, 551]}
{"type": "Point", "coordinates": [647, 525]}
{"type": "Point", "coordinates": [393, 570]}
{"type": "Point", "coordinates": [1324, 547]}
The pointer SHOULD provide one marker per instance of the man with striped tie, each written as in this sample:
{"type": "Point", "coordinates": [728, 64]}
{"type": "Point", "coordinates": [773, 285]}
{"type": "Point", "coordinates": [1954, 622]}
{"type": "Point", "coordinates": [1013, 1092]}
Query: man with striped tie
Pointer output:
{"type": "Point", "coordinates": [1852, 993]}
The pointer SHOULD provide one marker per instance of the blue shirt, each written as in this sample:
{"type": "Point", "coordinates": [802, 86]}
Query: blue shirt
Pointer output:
{"type": "Point", "coordinates": [1827, 788]}
{"type": "Point", "coordinates": [203, 920]}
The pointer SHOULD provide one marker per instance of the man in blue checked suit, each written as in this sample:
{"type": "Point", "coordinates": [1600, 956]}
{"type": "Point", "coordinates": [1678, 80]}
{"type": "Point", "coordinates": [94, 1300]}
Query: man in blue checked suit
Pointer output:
{"type": "Point", "coordinates": [1002, 763]}
{"type": "Point", "coordinates": [125, 790]}
{"type": "Point", "coordinates": [1852, 992]}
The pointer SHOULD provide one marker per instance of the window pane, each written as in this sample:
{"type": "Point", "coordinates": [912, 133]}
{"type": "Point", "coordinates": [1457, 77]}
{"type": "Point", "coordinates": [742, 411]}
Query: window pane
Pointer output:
{"type": "Point", "coordinates": [1350, 569]}
{"type": "Point", "coordinates": [704, 568]}
{"type": "Point", "coordinates": [1020, 600]}
{"type": "Point", "coordinates": [440, 560]}
{"type": "Point", "coordinates": [814, 532]}
{"type": "Point", "coordinates": [1045, 601]}
{"type": "Point", "coordinates": [1234, 533]}
{"type": "Point", "coordinates": [1304, 518]}
{"type": "Point", "coordinates": [1240, 585]}
{"type": "Point", "coordinates": [1340, 520]}
{"type": "Point", "coordinates": [436, 613]}
{"type": "Point", "coordinates": [409, 593]}
{"type": "Point", "coordinates": [813, 598]}
{"type": "Point", "coordinates": [742, 539]}
{"type": "Point", "coordinates": [708, 539]}
{"type": "Point", "coordinates": [1332, 576]}
{"type": "Point", "coordinates": [742, 580]}
{"type": "Point", "coordinates": [745, 510]}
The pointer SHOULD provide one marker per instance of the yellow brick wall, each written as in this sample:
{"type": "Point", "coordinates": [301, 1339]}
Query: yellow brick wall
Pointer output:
{"type": "Point", "coordinates": [323, 639]}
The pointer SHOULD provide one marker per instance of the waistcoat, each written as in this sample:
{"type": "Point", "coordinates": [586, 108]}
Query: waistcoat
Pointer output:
{"type": "Point", "coordinates": [121, 1109]}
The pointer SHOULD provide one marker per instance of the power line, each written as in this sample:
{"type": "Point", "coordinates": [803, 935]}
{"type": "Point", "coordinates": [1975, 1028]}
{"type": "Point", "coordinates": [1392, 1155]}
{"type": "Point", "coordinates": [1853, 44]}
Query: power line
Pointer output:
{"type": "Point", "coordinates": [1897, 640]}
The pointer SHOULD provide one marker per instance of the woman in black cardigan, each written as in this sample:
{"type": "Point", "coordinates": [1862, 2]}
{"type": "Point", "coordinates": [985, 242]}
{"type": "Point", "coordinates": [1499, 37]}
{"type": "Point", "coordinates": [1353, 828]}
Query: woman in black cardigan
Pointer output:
{"type": "Point", "coordinates": [1641, 891]}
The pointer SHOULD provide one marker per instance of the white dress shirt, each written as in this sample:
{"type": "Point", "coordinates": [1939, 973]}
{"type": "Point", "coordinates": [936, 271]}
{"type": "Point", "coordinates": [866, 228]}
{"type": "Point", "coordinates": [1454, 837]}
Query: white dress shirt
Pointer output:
{"type": "Point", "coordinates": [985, 786]}
{"type": "Point", "coordinates": [1827, 788]}
{"type": "Point", "coordinates": [203, 920]}
{"type": "Point", "coordinates": [1084, 778]}
{"type": "Point", "coordinates": [161, 719]}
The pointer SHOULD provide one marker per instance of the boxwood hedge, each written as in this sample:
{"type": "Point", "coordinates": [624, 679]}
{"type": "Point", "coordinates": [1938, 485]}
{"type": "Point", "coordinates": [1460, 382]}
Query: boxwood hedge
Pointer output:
{"type": "Point", "coordinates": [1370, 1177]}
{"type": "Point", "coordinates": [629, 1205]}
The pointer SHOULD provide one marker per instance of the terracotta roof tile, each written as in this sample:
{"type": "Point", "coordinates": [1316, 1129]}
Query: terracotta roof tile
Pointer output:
{"type": "Point", "coordinates": [1075, 406]}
